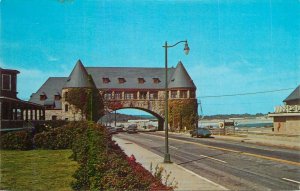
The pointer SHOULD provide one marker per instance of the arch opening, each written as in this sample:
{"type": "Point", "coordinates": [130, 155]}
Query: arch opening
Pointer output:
{"type": "Point", "coordinates": [128, 115]}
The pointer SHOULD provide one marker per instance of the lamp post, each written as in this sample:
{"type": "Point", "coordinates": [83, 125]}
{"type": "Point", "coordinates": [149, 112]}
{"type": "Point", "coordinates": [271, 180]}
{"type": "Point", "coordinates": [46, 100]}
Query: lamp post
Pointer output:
{"type": "Point", "coordinates": [186, 50]}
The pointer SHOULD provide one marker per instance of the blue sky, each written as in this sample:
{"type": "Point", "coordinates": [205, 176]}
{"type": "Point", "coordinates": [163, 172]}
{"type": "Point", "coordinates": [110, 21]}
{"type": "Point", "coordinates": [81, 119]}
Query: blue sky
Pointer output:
{"type": "Point", "coordinates": [236, 46]}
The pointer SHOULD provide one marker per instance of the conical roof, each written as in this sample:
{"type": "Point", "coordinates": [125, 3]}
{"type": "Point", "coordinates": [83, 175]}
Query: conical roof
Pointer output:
{"type": "Point", "coordinates": [294, 95]}
{"type": "Point", "coordinates": [79, 77]}
{"type": "Point", "coordinates": [181, 78]}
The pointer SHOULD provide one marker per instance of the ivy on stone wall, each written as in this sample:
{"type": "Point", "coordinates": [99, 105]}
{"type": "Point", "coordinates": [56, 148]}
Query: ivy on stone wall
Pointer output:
{"type": "Point", "coordinates": [182, 114]}
{"type": "Point", "coordinates": [88, 101]}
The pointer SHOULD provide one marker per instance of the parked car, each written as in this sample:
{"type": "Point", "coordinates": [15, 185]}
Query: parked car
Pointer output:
{"type": "Point", "coordinates": [120, 128]}
{"type": "Point", "coordinates": [132, 128]}
{"type": "Point", "coordinates": [111, 130]}
{"type": "Point", "coordinates": [200, 132]}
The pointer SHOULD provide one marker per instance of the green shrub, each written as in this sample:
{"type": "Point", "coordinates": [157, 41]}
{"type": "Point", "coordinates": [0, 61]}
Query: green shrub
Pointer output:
{"type": "Point", "coordinates": [48, 125]}
{"type": "Point", "coordinates": [104, 166]}
{"type": "Point", "coordinates": [17, 140]}
{"type": "Point", "coordinates": [60, 137]}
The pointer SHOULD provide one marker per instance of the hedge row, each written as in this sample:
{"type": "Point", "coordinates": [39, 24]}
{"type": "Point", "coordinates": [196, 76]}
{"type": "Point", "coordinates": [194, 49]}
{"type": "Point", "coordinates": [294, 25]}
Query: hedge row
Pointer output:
{"type": "Point", "coordinates": [102, 164]}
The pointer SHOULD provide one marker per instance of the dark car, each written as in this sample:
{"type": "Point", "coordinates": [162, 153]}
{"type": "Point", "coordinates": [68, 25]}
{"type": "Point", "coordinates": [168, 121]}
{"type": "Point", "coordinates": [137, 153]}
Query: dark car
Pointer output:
{"type": "Point", "coordinates": [201, 132]}
{"type": "Point", "coordinates": [111, 129]}
{"type": "Point", "coordinates": [120, 128]}
{"type": "Point", "coordinates": [132, 128]}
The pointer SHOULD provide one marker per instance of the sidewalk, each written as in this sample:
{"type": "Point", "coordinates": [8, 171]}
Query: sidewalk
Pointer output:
{"type": "Point", "coordinates": [265, 140]}
{"type": "Point", "coordinates": [187, 180]}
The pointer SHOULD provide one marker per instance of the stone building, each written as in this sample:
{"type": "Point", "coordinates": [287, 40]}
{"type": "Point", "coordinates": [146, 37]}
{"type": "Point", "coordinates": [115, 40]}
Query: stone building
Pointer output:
{"type": "Point", "coordinates": [121, 87]}
{"type": "Point", "coordinates": [15, 113]}
{"type": "Point", "coordinates": [286, 118]}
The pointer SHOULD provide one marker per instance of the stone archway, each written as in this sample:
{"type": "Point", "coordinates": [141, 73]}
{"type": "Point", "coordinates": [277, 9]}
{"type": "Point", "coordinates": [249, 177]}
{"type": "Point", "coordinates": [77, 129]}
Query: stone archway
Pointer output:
{"type": "Point", "coordinates": [131, 106]}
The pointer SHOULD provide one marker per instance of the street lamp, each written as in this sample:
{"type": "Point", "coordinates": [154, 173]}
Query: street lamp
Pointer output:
{"type": "Point", "coordinates": [186, 51]}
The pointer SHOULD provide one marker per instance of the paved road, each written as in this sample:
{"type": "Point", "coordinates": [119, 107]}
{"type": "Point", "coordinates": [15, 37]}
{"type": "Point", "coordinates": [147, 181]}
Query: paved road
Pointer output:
{"type": "Point", "coordinates": [237, 166]}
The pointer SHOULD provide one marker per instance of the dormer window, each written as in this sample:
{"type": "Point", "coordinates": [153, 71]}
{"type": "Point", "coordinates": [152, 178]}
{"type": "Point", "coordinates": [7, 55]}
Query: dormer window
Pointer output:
{"type": "Point", "coordinates": [105, 80]}
{"type": "Point", "coordinates": [156, 80]}
{"type": "Point", "coordinates": [43, 96]}
{"type": "Point", "coordinates": [57, 96]}
{"type": "Point", "coordinates": [121, 80]}
{"type": "Point", "coordinates": [141, 80]}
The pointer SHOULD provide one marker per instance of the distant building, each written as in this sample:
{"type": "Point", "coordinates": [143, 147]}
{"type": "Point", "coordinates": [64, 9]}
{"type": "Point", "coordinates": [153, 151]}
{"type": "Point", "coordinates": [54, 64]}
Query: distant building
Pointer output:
{"type": "Point", "coordinates": [286, 118]}
{"type": "Point", "coordinates": [121, 87]}
{"type": "Point", "coordinates": [15, 113]}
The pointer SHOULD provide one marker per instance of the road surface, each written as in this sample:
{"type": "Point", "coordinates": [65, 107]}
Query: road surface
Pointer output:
{"type": "Point", "coordinates": [237, 166]}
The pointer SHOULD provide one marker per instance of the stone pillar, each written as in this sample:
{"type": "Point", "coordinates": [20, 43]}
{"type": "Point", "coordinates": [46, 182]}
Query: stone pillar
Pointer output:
{"type": "Point", "coordinates": [160, 124]}
{"type": "Point", "coordinates": [148, 95]}
{"type": "Point", "coordinates": [188, 94]}
{"type": "Point", "coordinates": [123, 95]}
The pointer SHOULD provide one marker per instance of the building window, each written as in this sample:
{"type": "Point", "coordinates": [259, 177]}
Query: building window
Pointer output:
{"type": "Point", "coordinates": [183, 94]}
{"type": "Point", "coordinates": [108, 95]}
{"type": "Point", "coordinates": [6, 82]}
{"type": "Point", "coordinates": [66, 108]}
{"type": "Point", "coordinates": [105, 80]}
{"type": "Point", "coordinates": [121, 80]}
{"type": "Point", "coordinates": [43, 96]}
{"type": "Point", "coordinates": [54, 117]}
{"type": "Point", "coordinates": [57, 97]}
{"type": "Point", "coordinates": [192, 94]}
{"type": "Point", "coordinates": [130, 95]}
{"type": "Point", "coordinates": [141, 80]}
{"type": "Point", "coordinates": [118, 95]}
{"type": "Point", "coordinates": [174, 94]}
{"type": "Point", "coordinates": [143, 95]}
{"type": "Point", "coordinates": [156, 80]}
{"type": "Point", "coordinates": [153, 95]}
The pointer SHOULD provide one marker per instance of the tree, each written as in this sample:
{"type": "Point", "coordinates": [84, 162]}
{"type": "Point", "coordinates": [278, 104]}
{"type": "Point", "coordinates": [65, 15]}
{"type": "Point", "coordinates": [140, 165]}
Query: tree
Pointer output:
{"type": "Point", "coordinates": [88, 101]}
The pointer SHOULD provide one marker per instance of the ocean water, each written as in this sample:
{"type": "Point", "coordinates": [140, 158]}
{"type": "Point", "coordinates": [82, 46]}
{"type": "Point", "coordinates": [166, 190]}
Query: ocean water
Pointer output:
{"type": "Point", "coordinates": [238, 124]}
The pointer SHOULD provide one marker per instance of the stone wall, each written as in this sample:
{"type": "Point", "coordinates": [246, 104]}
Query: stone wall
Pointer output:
{"type": "Point", "coordinates": [287, 125]}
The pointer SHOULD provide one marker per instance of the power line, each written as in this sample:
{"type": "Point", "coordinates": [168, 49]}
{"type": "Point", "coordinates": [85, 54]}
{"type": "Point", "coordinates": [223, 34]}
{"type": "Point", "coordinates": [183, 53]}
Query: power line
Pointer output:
{"type": "Point", "coordinates": [243, 94]}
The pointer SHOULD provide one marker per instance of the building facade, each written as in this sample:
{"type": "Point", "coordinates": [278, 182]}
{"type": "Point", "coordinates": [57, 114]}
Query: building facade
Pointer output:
{"type": "Point", "coordinates": [15, 113]}
{"type": "Point", "coordinates": [120, 87]}
{"type": "Point", "coordinates": [286, 118]}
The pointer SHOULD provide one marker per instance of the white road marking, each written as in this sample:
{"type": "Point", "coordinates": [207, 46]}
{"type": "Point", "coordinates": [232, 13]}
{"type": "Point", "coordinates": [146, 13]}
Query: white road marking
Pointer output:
{"type": "Point", "coordinates": [173, 147]}
{"type": "Point", "coordinates": [291, 180]}
{"type": "Point", "coordinates": [213, 158]}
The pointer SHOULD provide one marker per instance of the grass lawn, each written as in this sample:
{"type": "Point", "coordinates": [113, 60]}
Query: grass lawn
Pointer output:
{"type": "Point", "coordinates": [36, 170]}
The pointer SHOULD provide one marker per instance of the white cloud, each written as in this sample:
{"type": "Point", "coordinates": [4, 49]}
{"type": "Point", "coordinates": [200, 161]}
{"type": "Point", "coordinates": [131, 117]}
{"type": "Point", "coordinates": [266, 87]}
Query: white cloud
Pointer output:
{"type": "Point", "coordinates": [51, 58]}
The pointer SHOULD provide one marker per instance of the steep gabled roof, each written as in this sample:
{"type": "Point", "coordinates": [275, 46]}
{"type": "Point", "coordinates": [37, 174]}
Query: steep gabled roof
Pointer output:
{"type": "Point", "coordinates": [49, 88]}
{"type": "Point", "coordinates": [131, 75]}
{"type": "Point", "coordinates": [79, 77]}
{"type": "Point", "coordinates": [294, 95]}
{"type": "Point", "coordinates": [181, 78]}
